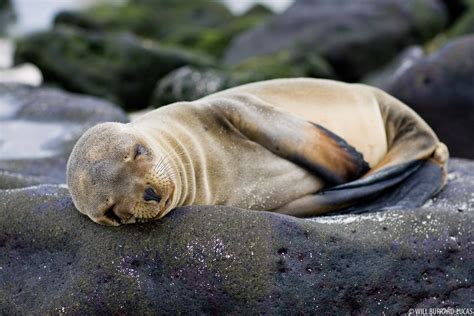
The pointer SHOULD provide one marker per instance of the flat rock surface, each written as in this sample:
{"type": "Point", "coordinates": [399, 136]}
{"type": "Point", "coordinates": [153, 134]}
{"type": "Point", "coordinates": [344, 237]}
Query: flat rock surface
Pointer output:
{"type": "Point", "coordinates": [39, 127]}
{"type": "Point", "coordinates": [224, 260]}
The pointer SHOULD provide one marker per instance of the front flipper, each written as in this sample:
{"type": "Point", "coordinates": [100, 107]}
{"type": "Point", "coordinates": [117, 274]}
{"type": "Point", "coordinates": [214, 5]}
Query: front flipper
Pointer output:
{"type": "Point", "coordinates": [307, 144]}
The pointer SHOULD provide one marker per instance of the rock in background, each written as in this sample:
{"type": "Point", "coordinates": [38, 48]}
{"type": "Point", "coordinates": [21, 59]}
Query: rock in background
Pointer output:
{"type": "Point", "coordinates": [212, 27]}
{"type": "Point", "coordinates": [439, 86]}
{"type": "Point", "coordinates": [354, 36]}
{"type": "Point", "coordinates": [39, 127]}
{"type": "Point", "coordinates": [218, 260]}
{"type": "Point", "coordinates": [148, 18]}
{"type": "Point", "coordinates": [191, 83]}
{"type": "Point", "coordinates": [121, 52]}
{"type": "Point", "coordinates": [123, 69]}
{"type": "Point", "coordinates": [325, 39]}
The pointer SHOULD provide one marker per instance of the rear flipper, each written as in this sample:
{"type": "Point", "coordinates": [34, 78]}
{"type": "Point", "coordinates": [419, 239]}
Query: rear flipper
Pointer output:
{"type": "Point", "coordinates": [403, 186]}
{"type": "Point", "coordinates": [413, 192]}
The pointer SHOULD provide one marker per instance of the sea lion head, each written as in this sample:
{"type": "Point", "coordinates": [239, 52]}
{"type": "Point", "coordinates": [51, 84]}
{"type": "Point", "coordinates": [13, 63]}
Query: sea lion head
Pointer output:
{"type": "Point", "coordinates": [116, 175]}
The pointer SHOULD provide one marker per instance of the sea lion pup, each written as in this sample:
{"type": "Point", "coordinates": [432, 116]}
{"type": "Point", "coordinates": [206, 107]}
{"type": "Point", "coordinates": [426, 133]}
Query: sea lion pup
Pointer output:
{"type": "Point", "coordinates": [296, 146]}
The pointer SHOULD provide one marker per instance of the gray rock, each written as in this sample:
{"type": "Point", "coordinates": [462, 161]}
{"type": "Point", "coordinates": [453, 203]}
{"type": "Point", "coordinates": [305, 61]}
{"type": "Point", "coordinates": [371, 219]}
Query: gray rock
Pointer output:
{"type": "Point", "coordinates": [459, 192]}
{"type": "Point", "coordinates": [191, 83]}
{"type": "Point", "coordinates": [390, 73]}
{"type": "Point", "coordinates": [439, 87]}
{"type": "Point", "coordinates": [354, 36]}
{"type": "Point", "coordinates": [218, 260]}
{"type": "Point", "coordinates": [39, 127]}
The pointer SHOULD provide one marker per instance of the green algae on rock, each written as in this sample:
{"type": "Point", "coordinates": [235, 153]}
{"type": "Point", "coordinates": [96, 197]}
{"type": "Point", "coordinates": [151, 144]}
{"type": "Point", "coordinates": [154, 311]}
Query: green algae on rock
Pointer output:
{"type": "Point", "coordinates": [465, 24]}
{"type": "Point", "coordinates": [120, 68]}
{"type": "Point", "coordinates": [150, 19]}
{"type": "Point", "coordinates": [214, 40]}
{"type": "Point", "coordinates": [203, 26]}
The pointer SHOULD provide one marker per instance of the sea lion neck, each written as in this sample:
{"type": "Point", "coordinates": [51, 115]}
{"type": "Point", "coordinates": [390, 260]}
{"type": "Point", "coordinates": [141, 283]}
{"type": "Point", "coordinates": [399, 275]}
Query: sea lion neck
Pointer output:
{"type": "Point", "coordinates": [167, 146]}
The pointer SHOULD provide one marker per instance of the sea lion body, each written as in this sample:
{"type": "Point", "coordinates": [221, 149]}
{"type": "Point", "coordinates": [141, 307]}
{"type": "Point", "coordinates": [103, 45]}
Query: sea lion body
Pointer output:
{"type": "Point", "coordinates": [219, 166]}
{"type": "Point", "coordinates": [271, 145]}
{"type": "Point", "coordinates": [352, 111]}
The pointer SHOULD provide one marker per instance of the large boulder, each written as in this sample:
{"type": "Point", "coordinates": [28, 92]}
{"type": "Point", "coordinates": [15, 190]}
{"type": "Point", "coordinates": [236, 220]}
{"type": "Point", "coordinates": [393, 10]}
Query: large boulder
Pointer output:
{"type": "Point", "coordinates": [386, 76]}
{"type": "Point", "coordinates": [354, 36]}
{"type": "Point", "coordinates": [189, 84]}
{"type": "Point", "coordinates": [39, 127]}
{"type": "Point", "coordinates": [439, 87]}
{"type": "Point", "coordinates": [205, 26]}
{"type": "Point", "coordinates": [120, 68]}
{"type": "Point", "coordinates": [218, 260]}
{"type": "Point", "coordinates": [215, 40]}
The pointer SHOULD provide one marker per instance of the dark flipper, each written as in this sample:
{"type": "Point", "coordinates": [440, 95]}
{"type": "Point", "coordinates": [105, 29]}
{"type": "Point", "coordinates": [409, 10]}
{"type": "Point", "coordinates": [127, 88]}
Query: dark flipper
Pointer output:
{"type": "Point", "coordinates": [307, 144]}
{"type": "Point", "coordinates": [407, 185]}
{"type": "Point", "coordinates": [413, 192]}
{"type": "Point", "coordinates": [351, 193]}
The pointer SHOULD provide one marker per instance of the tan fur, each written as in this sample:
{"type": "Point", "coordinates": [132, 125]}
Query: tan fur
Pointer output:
{"type": "Point", "coordinates": [350, 111]}
{"type": "Point", "coordinates": [221, 149]}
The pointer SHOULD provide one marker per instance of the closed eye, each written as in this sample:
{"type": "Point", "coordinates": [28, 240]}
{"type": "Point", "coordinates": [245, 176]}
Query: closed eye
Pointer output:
{"type": "Point", "coordinates": [151, 195]}
{"type": "Point", "coordinates": [139, 150]}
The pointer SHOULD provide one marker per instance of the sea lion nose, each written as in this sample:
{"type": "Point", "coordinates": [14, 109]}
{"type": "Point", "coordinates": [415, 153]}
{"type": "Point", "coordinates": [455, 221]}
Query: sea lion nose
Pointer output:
{"type": "Point", "coordinates": [151, 195]}
{"type": "Point", "coordinates": [124, 214]}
